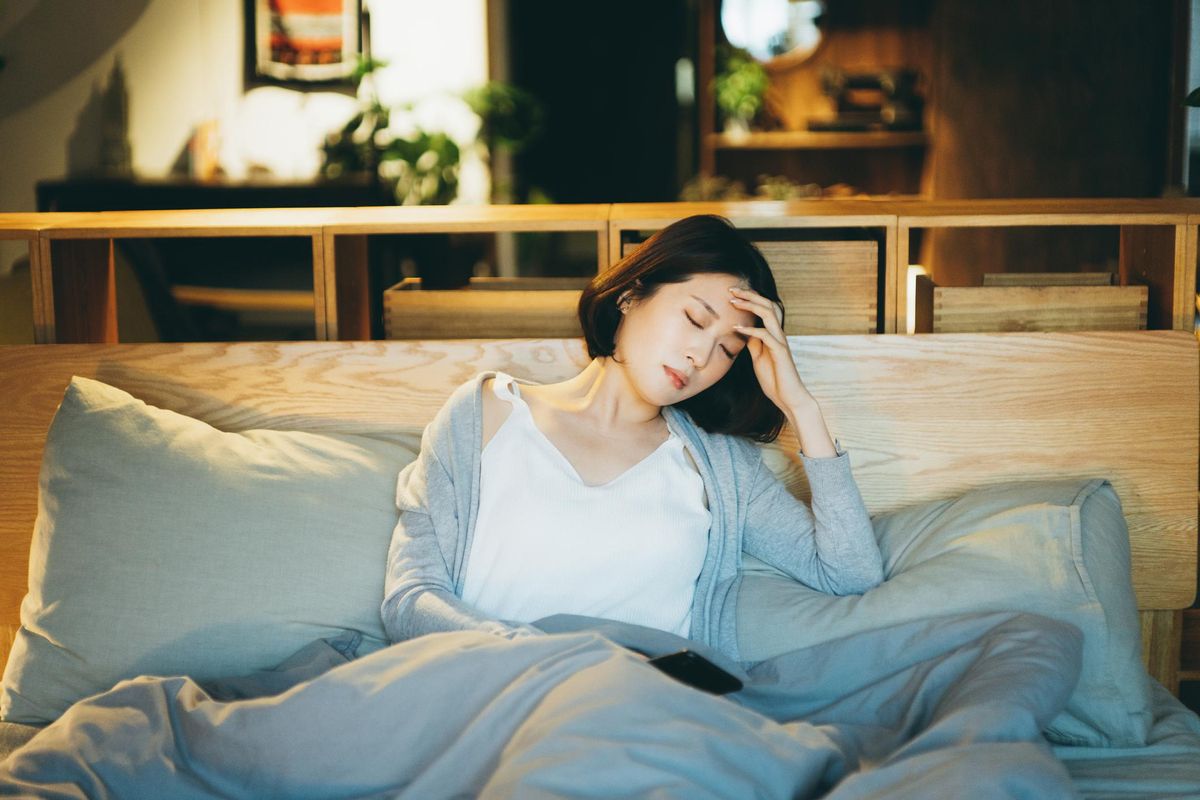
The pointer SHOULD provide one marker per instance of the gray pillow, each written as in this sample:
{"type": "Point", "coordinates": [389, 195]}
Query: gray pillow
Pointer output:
{"type": "Point", "coordinates": [165, 546]}
{"type": "Point", "coordinates": [1056, 548]}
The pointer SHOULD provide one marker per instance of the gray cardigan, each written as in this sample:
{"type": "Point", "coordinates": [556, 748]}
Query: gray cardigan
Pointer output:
{"type": "Point", "coordinates": [831, 547]}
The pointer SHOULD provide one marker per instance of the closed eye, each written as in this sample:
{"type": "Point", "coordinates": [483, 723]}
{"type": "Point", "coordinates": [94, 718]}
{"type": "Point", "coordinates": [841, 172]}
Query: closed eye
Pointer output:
{"type": "Point", "coordinates": [689, 317]}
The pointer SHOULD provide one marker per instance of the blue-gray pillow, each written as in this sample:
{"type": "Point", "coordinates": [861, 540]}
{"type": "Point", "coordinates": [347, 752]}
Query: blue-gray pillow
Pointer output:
{"type": "Point", "coordinates": [165, 546]}
{"type": "Point", "coordinates": [1057, 548]}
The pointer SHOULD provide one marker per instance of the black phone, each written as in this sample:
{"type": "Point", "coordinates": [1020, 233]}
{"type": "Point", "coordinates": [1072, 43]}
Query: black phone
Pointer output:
{"type": "Point", "coordinates": [696, 670]}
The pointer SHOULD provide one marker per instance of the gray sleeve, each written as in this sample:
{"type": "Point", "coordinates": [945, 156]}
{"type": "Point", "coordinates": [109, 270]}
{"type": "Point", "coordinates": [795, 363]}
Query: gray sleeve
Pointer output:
{"type": "Point", "coordinates": [419, 596]}
{"type": "Point", "coordinates": [830, 547]}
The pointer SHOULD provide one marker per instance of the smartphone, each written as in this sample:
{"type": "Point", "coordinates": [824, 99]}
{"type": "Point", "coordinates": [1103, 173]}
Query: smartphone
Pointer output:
{"type": "Point", "coordinates": [696, 670]}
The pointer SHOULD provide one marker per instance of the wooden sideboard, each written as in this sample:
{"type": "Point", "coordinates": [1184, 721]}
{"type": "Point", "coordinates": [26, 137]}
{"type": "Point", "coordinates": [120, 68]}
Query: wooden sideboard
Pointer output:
{"type": "Point", "coordinates": [72, 261]}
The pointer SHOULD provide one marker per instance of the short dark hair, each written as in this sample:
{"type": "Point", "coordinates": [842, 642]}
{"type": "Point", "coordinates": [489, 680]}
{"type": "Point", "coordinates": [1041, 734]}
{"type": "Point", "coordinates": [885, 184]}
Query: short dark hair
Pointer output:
{"type": "Point", "coordinates": [695, 245]}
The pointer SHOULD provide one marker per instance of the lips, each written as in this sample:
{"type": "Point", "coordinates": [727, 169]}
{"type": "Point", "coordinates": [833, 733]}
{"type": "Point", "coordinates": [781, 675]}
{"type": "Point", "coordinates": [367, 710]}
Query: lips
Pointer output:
{"type": "Point", "coordinates": [676, 377]}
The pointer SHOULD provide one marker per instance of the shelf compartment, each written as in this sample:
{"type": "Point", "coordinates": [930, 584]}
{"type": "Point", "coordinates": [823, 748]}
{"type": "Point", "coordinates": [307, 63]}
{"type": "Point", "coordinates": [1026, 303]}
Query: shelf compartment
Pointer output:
{"type": "Point", "coordinates": [487, 308]}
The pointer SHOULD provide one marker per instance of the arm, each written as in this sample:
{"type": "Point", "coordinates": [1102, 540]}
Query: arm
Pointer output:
{"type": "Point", "coordinates": [419, 596]}
{"type": "Point", "coordinates": [830, 547]}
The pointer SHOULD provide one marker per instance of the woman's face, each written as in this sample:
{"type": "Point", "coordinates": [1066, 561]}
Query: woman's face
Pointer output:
{"type": "Point", "coordinates": [680, 340]}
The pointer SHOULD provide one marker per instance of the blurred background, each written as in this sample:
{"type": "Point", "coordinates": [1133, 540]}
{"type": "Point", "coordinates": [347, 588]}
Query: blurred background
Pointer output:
{"type": "Point", "coordinates": [154, 104]}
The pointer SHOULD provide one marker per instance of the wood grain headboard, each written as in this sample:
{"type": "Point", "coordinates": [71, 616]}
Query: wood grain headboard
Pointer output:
{"type": "Point", "coordinates": [923, 417]}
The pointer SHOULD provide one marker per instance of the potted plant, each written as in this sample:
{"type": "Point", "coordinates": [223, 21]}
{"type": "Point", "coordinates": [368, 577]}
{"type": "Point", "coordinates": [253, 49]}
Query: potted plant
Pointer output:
{"type": "Point", "coordinates": [740, 85]}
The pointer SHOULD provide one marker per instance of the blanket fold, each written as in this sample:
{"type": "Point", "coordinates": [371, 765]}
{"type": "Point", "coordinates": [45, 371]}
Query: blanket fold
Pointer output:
{"type": "Point", "coordinates": [945, 707]}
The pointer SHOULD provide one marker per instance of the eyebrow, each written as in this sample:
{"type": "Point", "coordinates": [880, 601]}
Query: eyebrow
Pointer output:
{"type": "Point", "coordinates": [711, 310]}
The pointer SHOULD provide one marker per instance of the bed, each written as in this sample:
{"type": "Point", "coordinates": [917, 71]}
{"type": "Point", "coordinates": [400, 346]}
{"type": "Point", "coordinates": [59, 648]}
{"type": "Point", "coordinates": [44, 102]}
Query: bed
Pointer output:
{"type": "Point", "coordinates": [1025, 418]}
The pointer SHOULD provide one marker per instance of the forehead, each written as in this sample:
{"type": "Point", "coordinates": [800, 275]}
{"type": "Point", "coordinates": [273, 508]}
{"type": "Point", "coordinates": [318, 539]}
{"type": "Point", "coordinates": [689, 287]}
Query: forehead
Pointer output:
{"type": "Point", "coordinates": [706, 285]}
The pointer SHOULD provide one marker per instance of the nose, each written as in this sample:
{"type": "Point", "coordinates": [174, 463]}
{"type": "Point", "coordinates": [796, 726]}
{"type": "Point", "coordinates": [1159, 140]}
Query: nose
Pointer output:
{"type": "Point", "coordinates": [699, 353]}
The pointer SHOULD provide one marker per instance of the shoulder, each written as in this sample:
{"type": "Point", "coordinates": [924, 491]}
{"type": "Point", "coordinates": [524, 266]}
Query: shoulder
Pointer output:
{"type": "Point", "coordinates": [723, 450]}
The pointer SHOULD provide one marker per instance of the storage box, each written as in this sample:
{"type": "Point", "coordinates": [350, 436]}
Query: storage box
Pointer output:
{"type": "Point", "coordinates": [488, 308]}
{"type": "Point", "coordinates": [961, 309]}
{"type": "Point", "coordinates": [826, 287]}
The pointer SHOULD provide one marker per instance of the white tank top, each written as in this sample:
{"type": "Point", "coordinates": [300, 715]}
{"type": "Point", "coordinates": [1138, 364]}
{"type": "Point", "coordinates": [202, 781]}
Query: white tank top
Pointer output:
{"type": "Point", "coordinates": [547, 543]}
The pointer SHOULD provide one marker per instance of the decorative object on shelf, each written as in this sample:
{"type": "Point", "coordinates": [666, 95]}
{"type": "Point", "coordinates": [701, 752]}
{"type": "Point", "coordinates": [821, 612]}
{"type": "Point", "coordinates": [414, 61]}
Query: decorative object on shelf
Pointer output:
{"type": "Point", "coordinates": [740, 85]}
{"type": "Point", "coordinates": [712, 187]}
{"type": "Point", "coordinates": [421, 169]}
{"type": "Point", "coordinates": [303, 41]}
{"type": "Point", "coordinates": [883, 100]}
{"type": "Point", "coordinates": [778, 32]}
{"type": "Point", "coordinates": [116, 154]}
{"type": "Point", "coordinates": [781, 187]}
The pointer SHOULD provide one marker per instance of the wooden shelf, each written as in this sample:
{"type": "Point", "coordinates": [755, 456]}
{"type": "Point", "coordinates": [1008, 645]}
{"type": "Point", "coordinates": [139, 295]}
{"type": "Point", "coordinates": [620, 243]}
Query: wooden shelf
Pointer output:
{"type": "Point", "coordinates": [819, 140]}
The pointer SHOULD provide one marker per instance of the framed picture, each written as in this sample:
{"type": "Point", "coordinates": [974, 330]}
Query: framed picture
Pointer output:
{"type": "Point", "coordinates": [302, 42]}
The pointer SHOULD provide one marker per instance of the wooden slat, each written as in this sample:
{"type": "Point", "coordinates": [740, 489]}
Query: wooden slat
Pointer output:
{"type": "Point", "coordinates": [1048, 279]}
{"type": "Point", "coordinates": [925, 417]}
{"type": "Point", "coordinates": [39, 275]}
{"type": "Point", "coordinates": [238, 300]}
{"type": "Point", "coordinates": [1038, 308]}
{"type": "Point", "coordinates": [190, 222]}
{"type": "Point", "coordinates": [894, 273]}
{"type": "Point", "coordinates": [321, 271]}
{"type": "Point", "coordinates": [467, 218]}
{"type": "Point", "coordinates": [1186, 249]}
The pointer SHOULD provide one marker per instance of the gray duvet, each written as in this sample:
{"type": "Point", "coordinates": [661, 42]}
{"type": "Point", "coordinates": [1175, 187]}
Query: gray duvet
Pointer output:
{"type": "Point", "coordinates": [948, 707]}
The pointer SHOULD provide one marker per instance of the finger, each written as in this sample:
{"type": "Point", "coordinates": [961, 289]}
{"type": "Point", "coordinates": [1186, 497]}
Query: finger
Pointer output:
{"type": "Point", "coordinates": [754, 297]}
{"type": "Point", "coordinates": [767, 311]}
{"type": "Point", "coordinates": [762, 335]}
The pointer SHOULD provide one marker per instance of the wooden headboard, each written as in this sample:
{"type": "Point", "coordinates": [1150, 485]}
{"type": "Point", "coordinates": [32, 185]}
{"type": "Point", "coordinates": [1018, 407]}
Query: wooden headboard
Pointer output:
{"type": "Point", "coordinates": [923, 417]}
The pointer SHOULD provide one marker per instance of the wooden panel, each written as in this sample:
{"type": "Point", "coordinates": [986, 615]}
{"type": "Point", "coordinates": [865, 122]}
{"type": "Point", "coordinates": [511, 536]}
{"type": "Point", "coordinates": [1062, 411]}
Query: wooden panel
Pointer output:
{"type": "Point", "coordinates": [84, 292]}
{"type": "Point", "coordinates": [925, 417]}
{"type": "Point", "coordinates": [1148, 259]}
{"type": "Point", "coordinates": [1048, 279]}
{"type": "Point", "coordinates": [348, 302]}
{"type": "Point", "coordinates": [826, 287]}
{"type": "Point", "coordinates": [1038, 308]}
{"type": "Point", "coordinates": [491, 308]}
{"type": "Point", "coordinates": [1160, 646]}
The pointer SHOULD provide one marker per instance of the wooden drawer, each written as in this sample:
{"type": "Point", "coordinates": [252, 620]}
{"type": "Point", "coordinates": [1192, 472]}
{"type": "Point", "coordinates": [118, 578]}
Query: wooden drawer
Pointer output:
{"type": "Point", "coordinates": [826, 287]}
{"type": "Point", "coordinates": [955, 309]}
{"type": "Point", "coordinates": [488, 308]}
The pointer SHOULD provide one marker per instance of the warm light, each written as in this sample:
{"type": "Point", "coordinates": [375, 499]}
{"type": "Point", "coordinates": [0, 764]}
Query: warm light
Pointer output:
{"type": "Point", "coordinates": [911, 313]}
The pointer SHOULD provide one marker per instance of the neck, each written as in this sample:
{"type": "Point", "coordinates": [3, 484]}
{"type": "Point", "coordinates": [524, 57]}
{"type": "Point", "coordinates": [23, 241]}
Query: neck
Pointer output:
{"type": "Point", "coordinates": [603, 394]}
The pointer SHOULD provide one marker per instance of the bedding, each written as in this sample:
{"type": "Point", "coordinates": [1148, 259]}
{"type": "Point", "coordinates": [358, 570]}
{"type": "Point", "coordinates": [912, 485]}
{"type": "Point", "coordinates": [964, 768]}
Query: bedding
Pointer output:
{"type": "Point", "coordinates": [1056, 548]}
{"type": "Point", "coordinates": [950, 708]}
{"type": "Point", "coordinates": [875, 695]}
{"type": "Point", "coordinates": [164, 545]}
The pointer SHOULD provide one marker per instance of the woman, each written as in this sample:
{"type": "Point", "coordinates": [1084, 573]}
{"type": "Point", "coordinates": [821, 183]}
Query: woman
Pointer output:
{"type": "Point", "coordinates": [630, 491]}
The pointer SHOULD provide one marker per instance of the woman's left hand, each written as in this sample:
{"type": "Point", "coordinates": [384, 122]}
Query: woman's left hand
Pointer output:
{"type": "Point", "coordinates": [769, 352]}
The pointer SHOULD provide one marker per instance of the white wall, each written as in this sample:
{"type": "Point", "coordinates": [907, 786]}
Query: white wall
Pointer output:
{"type": "Point", "coordinates": [182, 61]}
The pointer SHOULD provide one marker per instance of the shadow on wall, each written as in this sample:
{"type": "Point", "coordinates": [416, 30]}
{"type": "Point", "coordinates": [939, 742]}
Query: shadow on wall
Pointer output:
{"type": "Point", "coordinates": [82, 33]}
